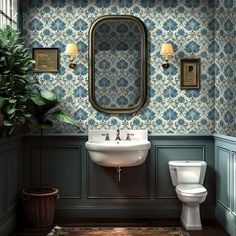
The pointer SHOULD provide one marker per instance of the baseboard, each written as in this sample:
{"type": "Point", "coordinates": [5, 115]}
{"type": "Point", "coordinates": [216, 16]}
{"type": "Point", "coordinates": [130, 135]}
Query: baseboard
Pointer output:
{"type": "Point", "coordinates": [128, 212]}
{"type": "Point", "coordinates": [8, 223]}
{"type": "Point", "coordinates": [226, 219]}
{"type": "Point", "coordinates": [148, 212]}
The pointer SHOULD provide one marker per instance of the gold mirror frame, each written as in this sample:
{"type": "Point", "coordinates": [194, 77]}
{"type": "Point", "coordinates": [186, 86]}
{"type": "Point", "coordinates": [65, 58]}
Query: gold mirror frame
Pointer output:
{"type": "Point", "coordinates": [92, 97]}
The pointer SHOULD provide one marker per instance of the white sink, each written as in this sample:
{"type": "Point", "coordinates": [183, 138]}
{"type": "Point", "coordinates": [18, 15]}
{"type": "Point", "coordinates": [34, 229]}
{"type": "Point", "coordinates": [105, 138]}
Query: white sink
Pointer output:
{"type": "Point", "coordinates": [120, 153]}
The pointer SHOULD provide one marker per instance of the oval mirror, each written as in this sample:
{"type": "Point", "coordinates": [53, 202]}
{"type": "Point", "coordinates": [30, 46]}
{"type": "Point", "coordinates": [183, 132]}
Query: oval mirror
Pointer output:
{"type": "Point", "coordinates": [117, 64]}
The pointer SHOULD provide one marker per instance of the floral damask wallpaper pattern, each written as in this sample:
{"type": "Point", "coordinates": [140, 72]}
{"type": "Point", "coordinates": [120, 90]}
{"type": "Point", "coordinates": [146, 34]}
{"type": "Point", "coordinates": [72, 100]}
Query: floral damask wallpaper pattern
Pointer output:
{"type": "Point", "coordinates": [225, 67]}
{"type": "Point", "coordinates": [196, 28]}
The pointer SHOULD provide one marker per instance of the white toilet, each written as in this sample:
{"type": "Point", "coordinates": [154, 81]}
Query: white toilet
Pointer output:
{"type": "Point", "coordinates": [188, 177]}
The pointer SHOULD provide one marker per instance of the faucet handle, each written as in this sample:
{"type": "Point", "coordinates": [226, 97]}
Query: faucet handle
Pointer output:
{"type": "Point", "coordinates": [107, 137]}
{"type": "Point", "coordinates": [128, 136]}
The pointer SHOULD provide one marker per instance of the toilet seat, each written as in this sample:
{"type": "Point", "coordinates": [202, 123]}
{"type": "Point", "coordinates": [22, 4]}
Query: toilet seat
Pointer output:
{"type": "Point", "coordinates": [191, 190]}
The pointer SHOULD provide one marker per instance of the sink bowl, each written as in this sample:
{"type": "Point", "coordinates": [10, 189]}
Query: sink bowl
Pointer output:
{"type": "Point", "coordinates": [118, 153]}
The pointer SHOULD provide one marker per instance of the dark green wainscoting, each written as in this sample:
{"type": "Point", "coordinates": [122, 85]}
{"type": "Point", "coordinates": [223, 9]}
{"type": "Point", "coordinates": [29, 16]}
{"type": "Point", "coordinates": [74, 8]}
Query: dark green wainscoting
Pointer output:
{"type": "Point", "coordinates": [225, 166]}
{"type": "Point", "coordinates": [91, 191]}
{"type": "Point", "coordinates": [10, 160]}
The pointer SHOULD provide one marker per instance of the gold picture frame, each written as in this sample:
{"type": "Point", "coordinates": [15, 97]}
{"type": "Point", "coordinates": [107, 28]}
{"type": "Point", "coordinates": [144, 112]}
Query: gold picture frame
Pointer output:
{"type": "Point", "coordinates": [190, 73]}
{"type": "Point", "coordinates": [46, 59]}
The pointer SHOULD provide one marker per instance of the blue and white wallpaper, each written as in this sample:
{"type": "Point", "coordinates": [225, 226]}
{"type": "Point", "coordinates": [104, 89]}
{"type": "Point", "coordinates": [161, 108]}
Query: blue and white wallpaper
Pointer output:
{"type": "Point", "coordinates": [225, 67]}
{"type": "Point", "coordinates": [190, 25]}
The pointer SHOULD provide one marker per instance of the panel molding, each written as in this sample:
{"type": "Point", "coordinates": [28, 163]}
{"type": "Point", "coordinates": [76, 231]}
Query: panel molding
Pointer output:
{"type": "Point", "coordinates": [234, 185]}
{"type": "Point", "coordinates": [226, 219]}
{"type": "Point", "coordinates": [229, 182]}
{"type": "Point", "coordinates": [96, 202]}
{"type": "Point", "coordinates": [88, 186]}
{"type": "Point", "coordinates": [2, 183]}
{"type": "Point", "coordinates": [11, 205]}
{"type": "Point", "coordinates": [7, 224]}
{"type": "Point", "coordinates": [157, 147]}
{"type": "Point", "coordinates": [8, 206]}
{"type": "Point", "coordinates": [226, 214]}
{"type": "Point", "coordinates": [10, 156]}
{"type": "Point", "coordinates": [45, 147]}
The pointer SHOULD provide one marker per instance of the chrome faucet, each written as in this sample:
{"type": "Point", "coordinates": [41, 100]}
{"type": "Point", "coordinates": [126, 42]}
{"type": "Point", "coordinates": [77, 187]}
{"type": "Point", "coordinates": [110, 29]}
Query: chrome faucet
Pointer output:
{"type": "Point", "coordinates": [107, 138]}
{"type": "Point", "coordinates": [117, 135]}
{"type": "Point", "coordinates": [128, 138]}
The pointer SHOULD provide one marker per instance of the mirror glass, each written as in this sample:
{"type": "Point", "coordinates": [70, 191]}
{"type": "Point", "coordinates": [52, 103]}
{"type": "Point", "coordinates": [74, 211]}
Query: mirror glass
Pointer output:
{"type": "Point", "coordinates": [117, 64]}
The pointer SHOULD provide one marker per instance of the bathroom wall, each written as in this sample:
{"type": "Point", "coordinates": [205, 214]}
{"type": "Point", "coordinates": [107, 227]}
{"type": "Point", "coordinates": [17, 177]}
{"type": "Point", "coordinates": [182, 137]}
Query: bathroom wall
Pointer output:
{"type": "Point", "coordinates": [225, 67]}
{"type": "Point", "coordinates": [188, 25]}
{"type": "Point", "coordinates": [10, 171]}
{"type": "Point", "coordinates": [90, 191]}
{"type": "Point", "coordinates": [225, 173]}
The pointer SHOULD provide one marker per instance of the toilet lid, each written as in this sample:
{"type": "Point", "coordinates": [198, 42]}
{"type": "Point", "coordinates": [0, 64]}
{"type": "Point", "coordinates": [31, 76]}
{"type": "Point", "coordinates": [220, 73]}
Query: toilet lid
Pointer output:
{"type": "Point", "coordinates": [191, 189]}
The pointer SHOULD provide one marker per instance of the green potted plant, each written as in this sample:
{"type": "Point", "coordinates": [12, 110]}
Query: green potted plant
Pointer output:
{"type": "Point", "coordinates": [40, 201]}
{"type": "Point", "coordinates": [19, 101]}
{"type": "Point", "coordinates": [15, 81]}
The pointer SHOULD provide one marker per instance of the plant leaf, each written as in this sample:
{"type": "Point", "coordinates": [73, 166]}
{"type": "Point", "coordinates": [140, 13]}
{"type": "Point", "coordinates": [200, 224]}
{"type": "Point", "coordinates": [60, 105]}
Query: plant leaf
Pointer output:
{"type": "Point", "coordinates": [21, 120]}
{"type": "Point", "coordinates": [10, 111]}
{"type": "Point", "coordinates": [12, 100]}
{"type": "Point", "coordinates": [1, 102]}
{"type": "Point", "coordinates": [27, 115]}
{"type": "Point", "coordinates": [48, 95]}
{"type": "Point", "coordinates": [47, 124]}
{"type": "Point", "coordinates": [8, 123]}
{"type": "Point", "coordinates": [38, 100]}
{"type": "Point", "coordinates": [63, 117]}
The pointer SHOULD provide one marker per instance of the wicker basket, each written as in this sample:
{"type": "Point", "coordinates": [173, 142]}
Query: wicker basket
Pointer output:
{"type": "Point", "coordinates": [39, 205]}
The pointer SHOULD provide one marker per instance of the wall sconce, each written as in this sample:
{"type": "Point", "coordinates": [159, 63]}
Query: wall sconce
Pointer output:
{"type": "Point", "coordinates": [72, 50]}
{"type": "Point", "coordinates": [166, 50]}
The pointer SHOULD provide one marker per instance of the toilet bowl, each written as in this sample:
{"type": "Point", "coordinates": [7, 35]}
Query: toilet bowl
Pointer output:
{"type": "Point", "coordinates": [191, 196]}
{"type": "Point", "coordinates": [188, 177]}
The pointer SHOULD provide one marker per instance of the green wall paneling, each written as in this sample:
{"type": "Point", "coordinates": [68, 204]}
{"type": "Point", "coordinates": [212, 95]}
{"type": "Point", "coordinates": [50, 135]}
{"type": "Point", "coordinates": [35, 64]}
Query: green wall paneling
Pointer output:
{"type": "Point", "coordinates": [103, 182]}
{"type": "Point", "coordinates": [185, 147]}
{"type": "Point", "coordinates": [225, 165]}
{"type": "Point", "coordinates": [61, 165]}
{"type": "Point", "coordinates": [140, 194]}
{"type": "Point", "coordinates": [2, 190]}
{"type": "Point", "coordinates": [234, 184]}
{"type": "Point", "coordinates": [64, 162]}
{"type": "Point", "coordinates": [10, 157]}
{"type": "Point", "coordinates": [12, 177]}
{"type": "Point", "coordinates": [223, 177]}
{"type": "Point", "coordinates": [164, 154]}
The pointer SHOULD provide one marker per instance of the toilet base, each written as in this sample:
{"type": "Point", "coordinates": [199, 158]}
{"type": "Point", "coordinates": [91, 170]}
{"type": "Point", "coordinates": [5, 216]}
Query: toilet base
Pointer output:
{"type": "Point", "coordinates": [190, 217]}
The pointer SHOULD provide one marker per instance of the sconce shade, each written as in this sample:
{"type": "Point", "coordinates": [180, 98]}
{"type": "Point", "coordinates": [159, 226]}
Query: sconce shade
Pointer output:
{"type": "Point", "coordinates": [71, 49]}
{"type": "Point", "coordinates": [167, 49]}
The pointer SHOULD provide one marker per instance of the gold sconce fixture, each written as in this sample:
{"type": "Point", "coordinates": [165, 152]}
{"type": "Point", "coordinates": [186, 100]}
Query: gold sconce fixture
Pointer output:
{"type": "Point", "coordinates": [72, 50]}
{"type": "Point", "coordinates": [166, 50]}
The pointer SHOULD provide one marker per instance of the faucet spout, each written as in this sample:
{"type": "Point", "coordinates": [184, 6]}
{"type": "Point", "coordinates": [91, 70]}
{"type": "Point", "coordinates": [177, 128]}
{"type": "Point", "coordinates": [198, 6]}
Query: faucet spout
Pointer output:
{"type": "Point", "coordinates": [117, 135]}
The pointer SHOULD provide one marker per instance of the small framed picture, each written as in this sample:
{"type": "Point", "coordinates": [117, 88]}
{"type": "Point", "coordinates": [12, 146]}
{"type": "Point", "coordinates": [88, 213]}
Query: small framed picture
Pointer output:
{"type": "Point", "coordinates": [190, 73]}
{"type": "Point", "coordinates": [46, 59]}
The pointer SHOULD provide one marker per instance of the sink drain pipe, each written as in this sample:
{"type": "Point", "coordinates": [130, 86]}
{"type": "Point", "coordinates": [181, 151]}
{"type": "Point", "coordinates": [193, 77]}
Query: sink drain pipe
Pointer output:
{"type": "Point", "coordinates": [118, 171]}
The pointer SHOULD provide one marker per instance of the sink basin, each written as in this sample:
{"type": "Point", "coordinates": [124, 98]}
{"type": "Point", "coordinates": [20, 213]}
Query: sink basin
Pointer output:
{"type": "Point", "coordinates": [119, 153]}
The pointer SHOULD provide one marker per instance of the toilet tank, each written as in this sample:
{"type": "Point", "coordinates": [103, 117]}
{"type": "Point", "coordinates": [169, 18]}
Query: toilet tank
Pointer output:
{"type": "Point", "coordinates": [187, 172]}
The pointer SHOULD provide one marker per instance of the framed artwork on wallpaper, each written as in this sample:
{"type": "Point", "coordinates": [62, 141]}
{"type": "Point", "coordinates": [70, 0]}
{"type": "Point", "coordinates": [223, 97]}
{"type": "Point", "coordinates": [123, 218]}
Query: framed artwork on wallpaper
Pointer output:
{"type": "Point", "coordinates": [46, 59]}
{"type": "Point", "coordinates": [190, 73]}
